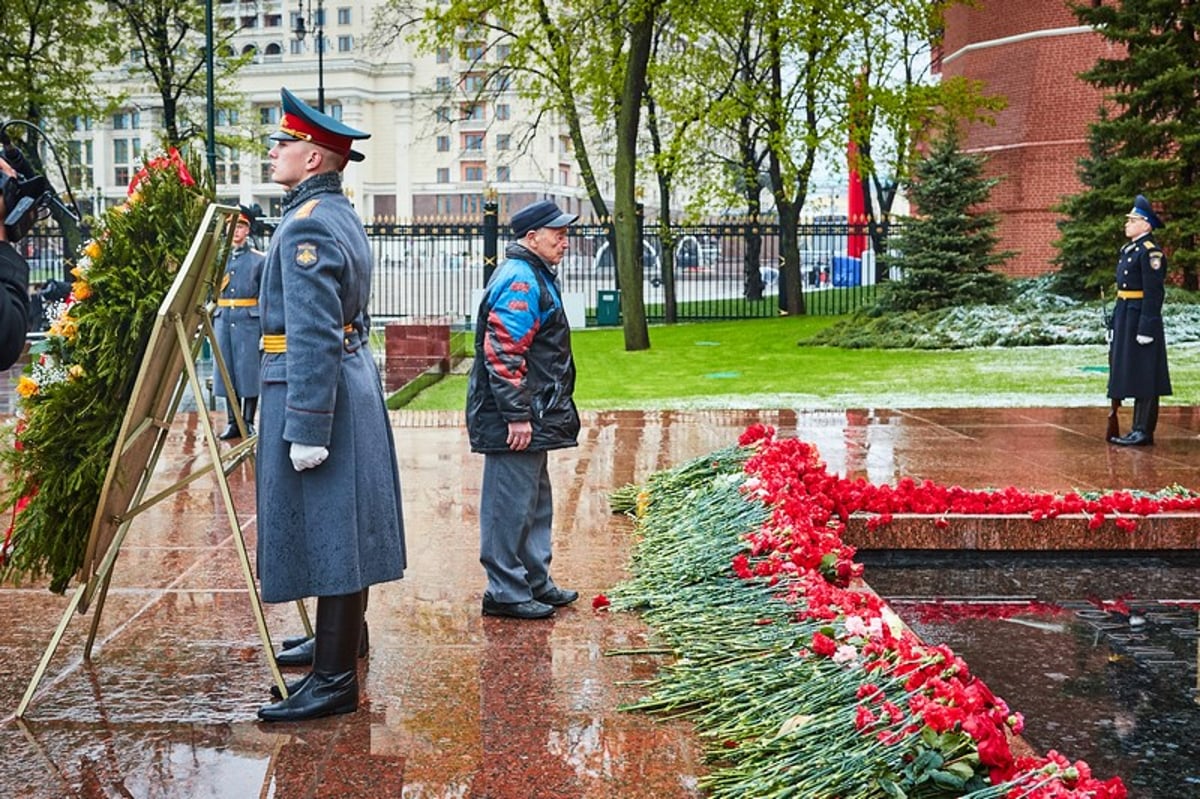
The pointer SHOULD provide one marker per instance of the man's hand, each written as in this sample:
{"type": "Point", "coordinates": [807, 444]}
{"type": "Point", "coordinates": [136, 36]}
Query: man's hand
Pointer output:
{"type": "Point", "coordinates": [519, 435]}
{"type": "Point", "coordinates": [306, 456]}
{"type": "Point", "coordinates": [1143, 340]}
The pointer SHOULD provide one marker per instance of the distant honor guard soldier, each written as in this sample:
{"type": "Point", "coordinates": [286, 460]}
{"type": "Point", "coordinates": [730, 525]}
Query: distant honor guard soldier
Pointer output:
{"type": "Point", "coordinates": [328, 485]}
{"type": "Point", "coordinates": [237, 325]}
{"type": "Point", "coordinates": [1139, 348]}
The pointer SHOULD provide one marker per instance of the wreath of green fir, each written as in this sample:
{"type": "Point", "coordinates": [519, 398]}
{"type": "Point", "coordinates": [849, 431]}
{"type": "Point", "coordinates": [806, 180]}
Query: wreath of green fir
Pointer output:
{"type": "Point", "coordinates": [75, 391]}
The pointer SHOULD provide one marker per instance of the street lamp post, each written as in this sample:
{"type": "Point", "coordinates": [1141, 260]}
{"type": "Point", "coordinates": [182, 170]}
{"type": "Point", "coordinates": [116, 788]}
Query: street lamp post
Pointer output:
{"type": "Point", "coordinates": [319, 30]}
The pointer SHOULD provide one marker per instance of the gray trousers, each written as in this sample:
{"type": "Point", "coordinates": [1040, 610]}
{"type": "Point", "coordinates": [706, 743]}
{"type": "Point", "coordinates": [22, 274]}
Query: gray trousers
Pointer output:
{"type": "Point", "coordinates": [516, 512]}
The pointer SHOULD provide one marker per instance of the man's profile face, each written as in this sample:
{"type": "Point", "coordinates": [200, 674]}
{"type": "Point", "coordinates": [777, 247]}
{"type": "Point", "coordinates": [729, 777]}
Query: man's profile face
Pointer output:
{"type": "Point", "coordinates": [1136, 226]}
{"type": "Point", "coordinates": [289, 162]}
{"type": "Point", "coordinates": [549, 242]}
{"type": "Point", "coordinates": [240, 231]}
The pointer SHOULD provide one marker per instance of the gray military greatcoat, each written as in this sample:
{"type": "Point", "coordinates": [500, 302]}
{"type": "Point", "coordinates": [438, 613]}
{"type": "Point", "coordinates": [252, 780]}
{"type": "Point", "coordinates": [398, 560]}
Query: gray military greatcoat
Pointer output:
{"type": "Point", "coordinates": [336, 528]}
{"type": "Point", "coordinates": [236, 323]}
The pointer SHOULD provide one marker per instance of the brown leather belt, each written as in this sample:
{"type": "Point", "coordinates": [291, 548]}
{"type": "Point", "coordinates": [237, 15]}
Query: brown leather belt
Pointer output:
{"type": "Point", "coordinates": [1130, 295]}
{"type": "Point", "coordinates": [277, 342]}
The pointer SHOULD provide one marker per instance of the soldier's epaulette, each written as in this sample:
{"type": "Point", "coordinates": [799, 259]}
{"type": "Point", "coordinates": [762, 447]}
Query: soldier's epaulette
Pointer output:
{"type": "Point", "coordinates": [307, 209]}
{"type": "Point", "coordinates": [1149, 245]}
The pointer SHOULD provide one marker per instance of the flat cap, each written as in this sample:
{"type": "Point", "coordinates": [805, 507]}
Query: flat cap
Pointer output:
{"type": "Point", "coordinates": [542, 213]}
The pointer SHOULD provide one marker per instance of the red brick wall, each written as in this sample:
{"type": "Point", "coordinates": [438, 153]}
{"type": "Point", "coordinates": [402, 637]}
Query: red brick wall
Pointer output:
{"type": "Point", "coordinates": [412, 348]}
{"type": "Point", "coordinates": [1038, 138]}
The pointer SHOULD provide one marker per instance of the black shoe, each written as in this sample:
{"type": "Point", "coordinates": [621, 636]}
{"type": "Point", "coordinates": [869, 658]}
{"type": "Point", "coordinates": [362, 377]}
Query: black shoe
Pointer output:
{"type": "Point", "coordinates": [298, 651]}
{"type": "Point", "coordinates": [529, 609]}
{"type": "Point", "coordinates": [292, 687]}
{"type": "Point", "coordinates": [1136, 438]}
{"type": "Point", "coordinates": [557, 597]}
{"type": "Point", "coordinates": [320, 695]}
{"type": "Point", "coordinates": [295, 641]}
{"type": "Point", "coordinates": [250, 429]}
{"type": "Point", "coordinates": [230, 432]}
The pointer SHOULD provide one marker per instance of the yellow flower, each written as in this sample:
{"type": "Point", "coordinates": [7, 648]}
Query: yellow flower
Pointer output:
{"type": "Point", "coordinates": [92, 249]}
{"type": "Point", "coordinates": [81, 289]}
{"type": "Point", "coordinates": [76, 371]}
{"type": "Point", "coordinates": [78, 272]}
{"type": "Point", "coordinates": [27, 386]}
{"type": "Point", "coordinates": [64, 326]}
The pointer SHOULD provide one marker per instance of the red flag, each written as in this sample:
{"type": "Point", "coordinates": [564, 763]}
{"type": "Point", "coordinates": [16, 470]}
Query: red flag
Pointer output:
{"type": "Point", "coordinates": [856, 209]}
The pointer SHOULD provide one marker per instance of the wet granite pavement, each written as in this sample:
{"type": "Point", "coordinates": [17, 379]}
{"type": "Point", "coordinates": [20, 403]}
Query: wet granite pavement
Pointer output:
{"type": "Point", "coordinates": [455, 705]}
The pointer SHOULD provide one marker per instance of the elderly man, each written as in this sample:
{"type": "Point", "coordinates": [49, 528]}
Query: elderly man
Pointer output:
{"type": "Point", "coordinates": [1138, 348]}
{"type": "Point", "coordinates": [520, 406]}
{"type": "Point", "coordinates": [329, 518]}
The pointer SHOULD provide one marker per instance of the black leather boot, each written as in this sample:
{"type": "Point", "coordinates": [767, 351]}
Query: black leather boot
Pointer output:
{"type": "Point", "coordinates": [249, 406]}
{"type": "Point", "coordinates": [298, 651]}
{"type": "Point", "coordinates": [332, 687]}
{"type": "Point", "coordinates": [231, 429]}
{"type": "Point", "coordinates": [293, 686]}
{"type": "Point", "coordinates": [1145, 417]}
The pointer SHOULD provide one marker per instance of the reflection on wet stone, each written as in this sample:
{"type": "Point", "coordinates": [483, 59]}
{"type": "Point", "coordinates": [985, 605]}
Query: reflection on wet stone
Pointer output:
{"type": "Point", "coordinates": [460, 706]}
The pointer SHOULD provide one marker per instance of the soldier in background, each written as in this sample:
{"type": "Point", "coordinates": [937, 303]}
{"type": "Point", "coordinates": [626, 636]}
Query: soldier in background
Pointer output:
{"type": "Point", "coordinates": [1138, 351]}
{"type": "Point", "coordinates": [237, 326]}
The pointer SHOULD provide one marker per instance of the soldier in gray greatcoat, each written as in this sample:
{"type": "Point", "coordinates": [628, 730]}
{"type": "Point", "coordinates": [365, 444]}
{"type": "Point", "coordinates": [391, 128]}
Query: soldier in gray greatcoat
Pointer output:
{"type": "Point", "coordinates": [328, 487]}
{"type": "Point", "coordinates": [236, 323]}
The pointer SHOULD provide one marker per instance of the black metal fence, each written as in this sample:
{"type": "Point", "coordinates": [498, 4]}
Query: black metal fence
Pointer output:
{"type": "Point", "coordinates": [436, 269]}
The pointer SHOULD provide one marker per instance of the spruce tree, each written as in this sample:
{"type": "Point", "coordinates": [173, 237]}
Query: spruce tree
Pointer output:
{"type": "Point", "coordinates": [946, 254]}
{"type": "Point", "coordinates": [1147, 143]}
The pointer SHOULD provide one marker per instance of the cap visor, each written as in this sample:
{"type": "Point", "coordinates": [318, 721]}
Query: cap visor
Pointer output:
{"type": "Point", "coordinates": [279, 135]}
{"type": "Point", "coordinates": [562, 220]}
{"type": "Point", "coordinates": [355, 155]}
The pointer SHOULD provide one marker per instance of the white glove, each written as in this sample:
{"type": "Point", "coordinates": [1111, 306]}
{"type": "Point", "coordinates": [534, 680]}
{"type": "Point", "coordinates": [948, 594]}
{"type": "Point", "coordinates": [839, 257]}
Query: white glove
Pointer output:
{"type": "Point", "coordinates": [306, 456]}
{"type": "Point", "coordinates": [1145, 339]}
{"type": "Point", "coordinates": [1108, 337]}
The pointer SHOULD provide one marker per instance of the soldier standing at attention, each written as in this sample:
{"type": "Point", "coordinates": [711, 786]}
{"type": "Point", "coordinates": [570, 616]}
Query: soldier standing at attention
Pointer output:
{"type": "Point", "coordinates": [237, 326]}
{"type": "Point", "coordinates": [1138, 347]}
{"type": "Point", "coordinates": [328, 486]}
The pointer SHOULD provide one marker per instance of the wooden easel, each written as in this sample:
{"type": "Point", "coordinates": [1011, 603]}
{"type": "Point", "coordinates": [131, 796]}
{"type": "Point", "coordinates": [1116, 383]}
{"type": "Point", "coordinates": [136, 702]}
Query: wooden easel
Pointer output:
{"type": "Point", "coordinates": [168, 368]}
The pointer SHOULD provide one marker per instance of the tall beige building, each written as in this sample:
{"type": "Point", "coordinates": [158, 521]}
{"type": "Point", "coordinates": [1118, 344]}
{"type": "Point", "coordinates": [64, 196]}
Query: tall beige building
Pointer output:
{"type": "Point", "coordinates": [434, 151]}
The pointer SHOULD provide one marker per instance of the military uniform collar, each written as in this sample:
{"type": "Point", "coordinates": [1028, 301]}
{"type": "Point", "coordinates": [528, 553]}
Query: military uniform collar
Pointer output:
{"type": "Point", "coordinates": [317, 184]}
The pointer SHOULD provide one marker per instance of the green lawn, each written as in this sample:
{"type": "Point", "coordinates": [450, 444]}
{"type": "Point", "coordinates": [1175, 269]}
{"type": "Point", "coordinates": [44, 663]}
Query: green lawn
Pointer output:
{"type": "Point", "coordinates": [756, 364]}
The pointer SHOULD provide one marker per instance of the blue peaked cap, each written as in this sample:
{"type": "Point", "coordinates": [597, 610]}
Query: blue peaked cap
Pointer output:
{"type": "Point", "coordinates": [1142, 210]}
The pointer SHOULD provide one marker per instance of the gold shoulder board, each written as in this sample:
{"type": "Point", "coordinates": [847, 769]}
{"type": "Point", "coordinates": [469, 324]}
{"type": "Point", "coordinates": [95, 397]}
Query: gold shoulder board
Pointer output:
{"type": "Point", "coordinates": [307, 209]}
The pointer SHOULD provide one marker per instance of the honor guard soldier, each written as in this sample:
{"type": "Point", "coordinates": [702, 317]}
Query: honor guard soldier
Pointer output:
{"type": "Point", "coordinates": [1138, 353]}
{"type": "Point", "coordinates": [237, 326]}
{"type": "Point", "coordinates": [328, 485]}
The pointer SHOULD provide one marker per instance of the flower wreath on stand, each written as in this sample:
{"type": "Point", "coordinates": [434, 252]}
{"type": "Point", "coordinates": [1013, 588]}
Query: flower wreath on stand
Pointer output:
{"type": "Point", "coordinates": [77, 386]}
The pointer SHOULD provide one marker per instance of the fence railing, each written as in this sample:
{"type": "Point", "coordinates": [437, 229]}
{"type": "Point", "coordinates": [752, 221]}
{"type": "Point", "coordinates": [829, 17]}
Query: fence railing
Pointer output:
{"type": "Point", "coordinates": [437, 269]}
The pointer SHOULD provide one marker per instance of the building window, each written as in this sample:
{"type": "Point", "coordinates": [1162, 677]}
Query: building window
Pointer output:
{"type": "Point", "coordinates": [319, 18]}
{"type": "Point", "coordinates": [503, 51]}
{"type": "Point", "coordinates": [502, 174]}
{"type": "Point", "coordinates": [472, 141]}
{"type": "Point", "coordinates": [473, 82]}
{"type": "Point", "coordinates": [250, 21]}
{"type": "Point", "coordinates": [472, 172]}
{"type": "Point", "coordinates": [443, 174]}
{"type": "Point", "coordinates": [443, 144]}
{"type": "Point", "coordinates": [272, 20]}
{"type": "Point", "coordinates": [126, 152]}
{"type": "Point", "coordinates": [268, 114]}
{"type": "Point", "coordinates": [443, 55]}
{"type": "Point", "coordinates": [126, 120]}
{"type": "Point", "coordinates": [226, 116]}
{"type": "Point", "coordinates": [334, 110]}
{"type": "Point", "coordinates": [80, 155]}
{"type": "Point", "coordinates": [564, 144]}
{"type": "Point", "coordinates": [503, 141]}
{"type": "Point", "coordinates": [343, 16]}
{"type": "Point", "coordinates": [471, 112]}
{"type": "Point", "coordinates": [228, 169]}
{"type": "Point", "coordinates": [297, 47]}
{"type": "Point", "coordinates": [564, 175]}
{"type": "Point", "coordinates": [502, 111]}
{"type": "Point", "coordinates": [443, 83]}
{"type": "Point", "coordinates": [443, 113]}
{"type": "Point", "coordinates": [472, 51]}
{"type": "Point", "coordinates": [273, 49]}
{"type": "Point", "coordinates": [81, 123]}
{"type": "Point", "coordinates": [345, 44]}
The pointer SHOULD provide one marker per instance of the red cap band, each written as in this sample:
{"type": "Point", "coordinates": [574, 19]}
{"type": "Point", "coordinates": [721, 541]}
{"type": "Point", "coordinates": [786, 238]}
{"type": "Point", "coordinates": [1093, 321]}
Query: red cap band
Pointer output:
{"type": "Point", "coordinates": [305, 131]}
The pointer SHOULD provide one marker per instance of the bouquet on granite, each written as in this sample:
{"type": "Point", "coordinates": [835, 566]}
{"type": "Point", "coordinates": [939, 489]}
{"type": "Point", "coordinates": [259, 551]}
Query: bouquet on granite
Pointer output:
{"type": "Point", "coordinates": [74, 392]}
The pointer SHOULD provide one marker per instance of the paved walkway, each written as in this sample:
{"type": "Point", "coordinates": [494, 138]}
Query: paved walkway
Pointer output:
{"type": "Point", "coordinates": [455, 705]}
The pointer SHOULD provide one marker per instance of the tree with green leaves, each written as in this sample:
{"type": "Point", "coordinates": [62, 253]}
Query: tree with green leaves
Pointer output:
{"type": "Point", "coordinates": [946, 254]}
{"type": "Point", "coordinates": [1147, 141]}
{"type": "Point", "coordinates": [171, 53]}
{"type": "Point", "coordinates": [49, 52]}
{"type": "Point", "coordinates": [585, 63]}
